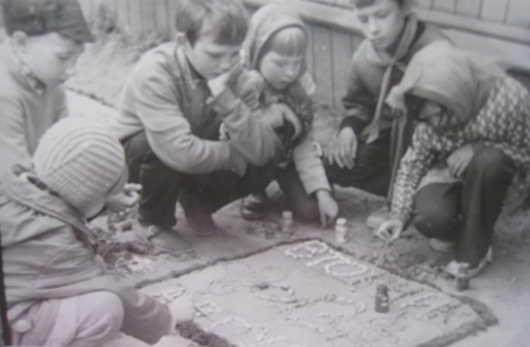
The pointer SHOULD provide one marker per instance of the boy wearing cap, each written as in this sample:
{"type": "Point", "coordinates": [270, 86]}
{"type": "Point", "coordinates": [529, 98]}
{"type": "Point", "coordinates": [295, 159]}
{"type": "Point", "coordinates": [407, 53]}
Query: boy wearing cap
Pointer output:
{"type": "Point", "coordinates": [172, 109]}
{"type": "Point", "coordinates": [58, 293]}
{"type": "Point", "coordinates": [45, 40]}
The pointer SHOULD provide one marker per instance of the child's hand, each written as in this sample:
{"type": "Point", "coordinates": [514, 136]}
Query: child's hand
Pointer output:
{"type": "Point", "coordinates": [329, 210]}
{"type": "Point", "coordinates": [276, 115]}
{"type": "Point", "coordinates": [125, 199]}
{"type": "Point", "coordinates": [252, 88]}
{"type": "Point", "coordinates": [396, 101]}
{"type": "Point", "coordinates": [459, 160]}
{"type": "Point", "coordinates": [289, 116]}
{"type": "Point", "coordinates": [218, 84]}
{"type": "Point", "coordinates": [390, 230]}
{"type": "Point", "coordinates": [182, 309]}
{"type": "Point", "coordinates": [343, 151]}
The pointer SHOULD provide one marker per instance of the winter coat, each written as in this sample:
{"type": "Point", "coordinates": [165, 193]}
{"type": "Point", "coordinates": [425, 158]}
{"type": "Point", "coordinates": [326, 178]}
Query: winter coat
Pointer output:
{"type": "Point", "coordinates": [47, 254]}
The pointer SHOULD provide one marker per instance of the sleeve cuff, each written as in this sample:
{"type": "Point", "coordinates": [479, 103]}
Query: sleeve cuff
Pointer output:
{"type": "Point", "coordinates": [400, 215]}
{"type": "Point", "coordinates": [353, 122]}
{"type": "Point", "coordinates": [225, 102]}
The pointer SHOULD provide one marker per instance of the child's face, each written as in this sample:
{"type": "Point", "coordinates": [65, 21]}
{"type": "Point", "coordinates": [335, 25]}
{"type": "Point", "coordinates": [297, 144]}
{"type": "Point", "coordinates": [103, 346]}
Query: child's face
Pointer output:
{"type": "Point", "coordinates": [51, 57]}
{"type": "Point", "coordinates": [437, 117]}
{"type": "Point", "coordinates": [211, 59]}
{"type": "Point", "coordinates": [279, 70]}
{"type": "Point", "coordinates": [382, 22]}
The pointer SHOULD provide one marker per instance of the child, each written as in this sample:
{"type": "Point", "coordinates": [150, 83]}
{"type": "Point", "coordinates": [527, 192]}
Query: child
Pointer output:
{"type": "Point", "coordinates": [473, 136]}
{"type": "Point", "coordinates": [171, 111]}
{"type": "Point", "coordinates": [369, 144]}
{"type": "Point", "coordinates": [58, 293]}
{"type": "Point", "coordinates": [275, 47]}
{"type": "Point", "coordinates": [45, 40]}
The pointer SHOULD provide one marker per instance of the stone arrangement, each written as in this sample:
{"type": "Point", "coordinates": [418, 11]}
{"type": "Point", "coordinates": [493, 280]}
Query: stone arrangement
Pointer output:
{"type": "Point", "coordinates": [278, 298]}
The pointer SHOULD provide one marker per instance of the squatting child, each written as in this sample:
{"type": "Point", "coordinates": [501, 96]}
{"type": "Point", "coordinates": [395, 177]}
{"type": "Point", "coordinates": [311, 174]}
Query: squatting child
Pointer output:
{"type": "Point", "coordinates": [172, 108]}
{"type": "Point", "coordinates": [473, 137]}
{"type": "Point", "coordinates": [370, 144]}
{"type": "Point", "coordinates": [275, 48]}
{"type": "Point", "coordinates": [58, 292]}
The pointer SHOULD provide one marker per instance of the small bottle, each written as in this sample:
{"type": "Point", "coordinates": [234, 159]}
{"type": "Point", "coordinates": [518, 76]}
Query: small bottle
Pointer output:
{"type": "Point", "coordinates": [381, 299]}
{"type": "Point", "coordinates": [341, 231]}
{"type": "Point", "coordinates": [462, 280]}
{"type": "Point", "coordinates": [287, 222]}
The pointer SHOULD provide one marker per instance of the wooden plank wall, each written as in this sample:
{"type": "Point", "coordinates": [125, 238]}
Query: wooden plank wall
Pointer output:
{"type": "Point", "coordinates": [510, 12]}
{"type": "Point", "coordinates": [330, 48]}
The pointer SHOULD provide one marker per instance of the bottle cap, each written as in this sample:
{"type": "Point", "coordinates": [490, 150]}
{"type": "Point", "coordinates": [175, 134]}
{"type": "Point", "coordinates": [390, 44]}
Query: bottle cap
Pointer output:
{"type": "Point", "coordinates": [382, 288]}
{"type": "Point", "coordinates": [341, 221]}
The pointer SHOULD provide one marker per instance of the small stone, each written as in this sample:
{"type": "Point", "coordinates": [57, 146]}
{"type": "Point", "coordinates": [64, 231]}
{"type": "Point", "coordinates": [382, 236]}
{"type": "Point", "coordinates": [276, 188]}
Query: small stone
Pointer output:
{"type": "Point", "coordinates": [127, 226]}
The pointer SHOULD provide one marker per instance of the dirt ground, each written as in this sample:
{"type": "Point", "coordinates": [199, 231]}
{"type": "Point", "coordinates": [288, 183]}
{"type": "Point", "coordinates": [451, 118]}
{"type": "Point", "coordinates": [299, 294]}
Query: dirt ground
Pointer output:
{"type": "Point", "coordinates": [502, 287]}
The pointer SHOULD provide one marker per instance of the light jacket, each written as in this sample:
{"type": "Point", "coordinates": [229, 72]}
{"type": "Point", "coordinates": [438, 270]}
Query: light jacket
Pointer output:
{"type": "Point", "coordinates": [27, 110]}
{"type": "Point", "coordinates": [168, 100]}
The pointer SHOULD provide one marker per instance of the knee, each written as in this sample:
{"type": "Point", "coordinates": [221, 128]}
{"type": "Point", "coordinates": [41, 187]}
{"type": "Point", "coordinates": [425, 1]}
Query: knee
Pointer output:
{"type": "Point", "coordinates": [306, 210]}
{"type": "Point", "coordinates": [106, 314]}
{"type": "Point", "coordinates": [491, 165]}
{"type": "Point", "coordinates": [436, 224]}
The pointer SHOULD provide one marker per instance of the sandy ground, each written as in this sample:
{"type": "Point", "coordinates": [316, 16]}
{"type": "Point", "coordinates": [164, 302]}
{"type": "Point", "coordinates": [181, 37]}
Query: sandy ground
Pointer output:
{"type": "Point", "coordinates": [502, 287]}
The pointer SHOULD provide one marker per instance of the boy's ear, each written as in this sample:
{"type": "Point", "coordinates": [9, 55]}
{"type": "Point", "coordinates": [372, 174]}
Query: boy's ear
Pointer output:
{"type": "Point", "coordinates": [19, 40]}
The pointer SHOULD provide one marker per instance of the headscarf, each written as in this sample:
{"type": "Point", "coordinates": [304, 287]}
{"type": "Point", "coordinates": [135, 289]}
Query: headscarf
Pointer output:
{"type": "Point", "coordinates": [266, 22]}
{"type": "Point", "coordinates": [448, 76]}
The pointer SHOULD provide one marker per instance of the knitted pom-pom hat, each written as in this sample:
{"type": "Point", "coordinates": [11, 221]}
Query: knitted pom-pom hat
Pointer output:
{"type": "Point", "coordinates": [81, 161]}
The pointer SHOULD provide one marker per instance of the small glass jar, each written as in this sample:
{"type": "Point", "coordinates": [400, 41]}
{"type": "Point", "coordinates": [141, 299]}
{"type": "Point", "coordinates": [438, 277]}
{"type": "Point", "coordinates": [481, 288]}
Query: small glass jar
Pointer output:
{"type": "Point", "coordinates": [462, 279]}
{"type": "Point", "coordinates": [287, 222]}
{"type": "Point", "coordinates": [382, 299]}
{"type": "Point", "coordinates": [341, 231]}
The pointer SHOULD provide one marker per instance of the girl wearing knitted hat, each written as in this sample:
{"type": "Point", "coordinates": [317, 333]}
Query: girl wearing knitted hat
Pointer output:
{"type": "Point", "coordinates": [473, 138]}
{"type": "Point", "coordinates": [58, 292]}
{"type": "Point", "coordinates": [275, 49]}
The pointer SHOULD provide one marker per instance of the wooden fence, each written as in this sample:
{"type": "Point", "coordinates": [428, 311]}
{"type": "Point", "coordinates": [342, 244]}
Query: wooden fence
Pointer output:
{"type": "Point", "coordinates": [500, 28]}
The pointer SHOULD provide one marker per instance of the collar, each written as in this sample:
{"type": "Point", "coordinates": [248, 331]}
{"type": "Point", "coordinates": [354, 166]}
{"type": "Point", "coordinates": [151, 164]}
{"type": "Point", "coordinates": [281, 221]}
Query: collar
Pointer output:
{"type": "Point", "coordinates": [189, 73]}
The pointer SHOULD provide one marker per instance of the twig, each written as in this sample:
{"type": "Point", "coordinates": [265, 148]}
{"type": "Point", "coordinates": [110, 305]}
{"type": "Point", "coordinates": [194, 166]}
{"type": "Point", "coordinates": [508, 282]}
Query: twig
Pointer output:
{"type": "Point", "coordinates": [380, 258]}
{"type": "Point", "coordinates": [202, 313]}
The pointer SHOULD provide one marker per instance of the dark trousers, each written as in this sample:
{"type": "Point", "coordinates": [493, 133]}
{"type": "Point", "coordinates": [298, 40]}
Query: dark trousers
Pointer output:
{"type": "Point", "coordinates": [371, 171]}
{"type": "Point", "coordinates": [198, 194]}
{"type": "Point", "coordinates": [303, 206]}
{"type": "Point", "coordinates": [466, 212]}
